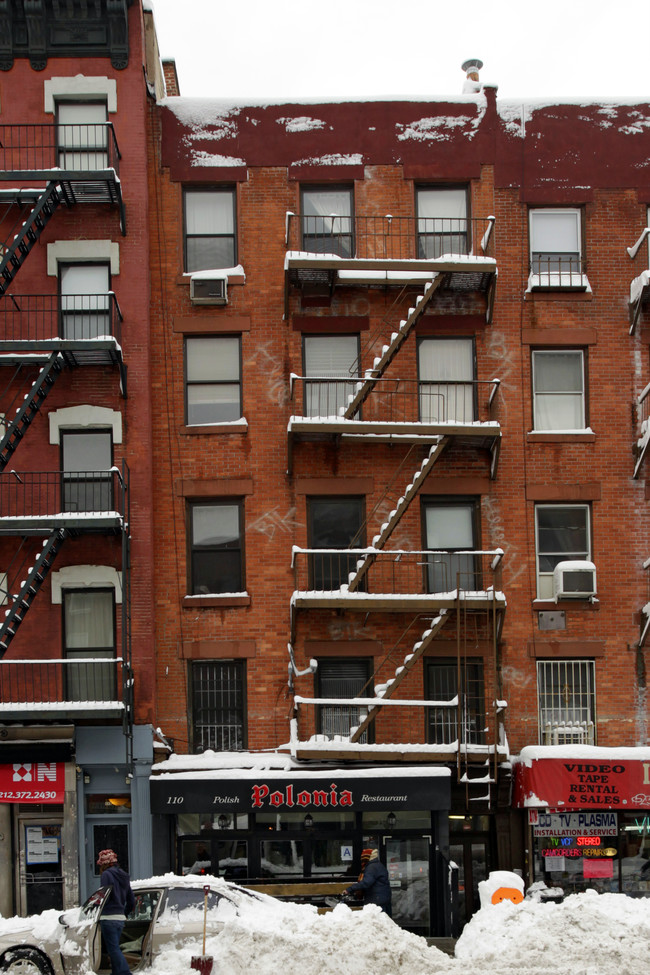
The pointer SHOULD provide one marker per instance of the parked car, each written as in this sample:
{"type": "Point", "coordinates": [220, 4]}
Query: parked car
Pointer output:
{"type": "Point", "coordinates": [167, 910]}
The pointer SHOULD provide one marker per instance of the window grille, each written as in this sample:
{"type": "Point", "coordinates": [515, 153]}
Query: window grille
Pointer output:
{"type": "Point", "coordinates": [218, 704]}
{"type": "Point", "coordinates": [566, 702]}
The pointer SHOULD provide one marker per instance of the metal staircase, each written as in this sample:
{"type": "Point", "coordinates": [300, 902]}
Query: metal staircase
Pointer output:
{"type": "Point", "coordinates": [389, 351]}
{"type": "Point", "coordinates": [32, 403]}
{"type": "Point", "coordinates": [29, 588]}
{"type": "Point", "coordinates": [45, 204]}
{"type": "Point", "coordinates": [384, 691]}
{"type": "Point", "coordinates": [397, 513]}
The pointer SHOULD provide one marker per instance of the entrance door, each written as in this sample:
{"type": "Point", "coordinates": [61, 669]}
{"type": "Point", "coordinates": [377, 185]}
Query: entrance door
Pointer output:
{"type": "Point", "coordinates": [407, 861]}
{"type": "Point", "coordinates": [105, 834]}
{"type": "Point", "coordinates": [471, 856]}
{"type": "Point", "coordinates": [40, 860]}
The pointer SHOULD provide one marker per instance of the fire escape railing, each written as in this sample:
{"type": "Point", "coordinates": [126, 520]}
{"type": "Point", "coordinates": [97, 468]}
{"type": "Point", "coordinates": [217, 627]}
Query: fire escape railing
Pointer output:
{"type": "Point", "coordinates": [32, 495]}
{"type": "Point", "coordinates": [41, 319]}
{"type": "Point", "coordinates": [83, 147]}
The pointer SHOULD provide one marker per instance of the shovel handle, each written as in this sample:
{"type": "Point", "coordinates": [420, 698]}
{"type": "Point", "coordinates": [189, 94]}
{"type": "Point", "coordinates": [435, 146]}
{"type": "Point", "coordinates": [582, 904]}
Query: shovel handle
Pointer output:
{"type": "Point", "coordinates": [206, 891]}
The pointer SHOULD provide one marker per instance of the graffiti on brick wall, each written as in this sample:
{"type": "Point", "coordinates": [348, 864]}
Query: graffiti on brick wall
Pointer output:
{"type": "Point", "coordinates": [270, 367]}
{"type": "Point", "coordinates": [506, 367]}
{"type": "Point", "coordinates": [342, 630]}
{"type": "Point", "coordinates": [272, 522]}
{"type": "Point", "coordinates": [513, 564]}
{"type": "Point", "coordinates": [515, 678]}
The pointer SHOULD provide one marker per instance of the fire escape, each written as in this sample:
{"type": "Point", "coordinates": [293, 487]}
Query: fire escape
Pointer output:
{"type": "Point", "coordinates": [456, 594]}
{"type": "Point", "coordinates": [43, 337]}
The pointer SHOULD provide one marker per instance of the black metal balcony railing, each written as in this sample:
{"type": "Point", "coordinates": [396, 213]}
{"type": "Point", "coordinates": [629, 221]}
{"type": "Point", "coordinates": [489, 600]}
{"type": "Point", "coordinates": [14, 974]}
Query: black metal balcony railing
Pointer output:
{"type": "Point", "coordinates": [69, 682]}
{"type": "Point", "coordinates": [42, 318]}
{"type": "Point", "coordinates": [400, 400]}
{"type": "Point", "coordinates": [83, 148]}
{"type": "Point", "coordinates": [395, 572]}
{"type": "Point", "coordinates": [44, 494]}
{"type": "Point", "coordinates": [365, 237]}
{"type": "Point", "coordinates": [559, 270]}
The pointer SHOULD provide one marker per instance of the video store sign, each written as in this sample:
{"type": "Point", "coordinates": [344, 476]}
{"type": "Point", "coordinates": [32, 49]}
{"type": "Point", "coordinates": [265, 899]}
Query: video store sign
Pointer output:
{"type": "Point", "coordinates": [32, 782]}
{"type": "Point", "coordinates": [574, 784]}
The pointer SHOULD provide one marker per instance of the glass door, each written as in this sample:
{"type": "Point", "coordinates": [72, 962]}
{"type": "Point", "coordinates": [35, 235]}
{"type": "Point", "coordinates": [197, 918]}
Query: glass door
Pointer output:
{"type": "Point", "coordinates": [40, 860]}
{"type": "Point", "coordinates": [407, 861]}
{"type": "Point", "coordinates": [471, 856]}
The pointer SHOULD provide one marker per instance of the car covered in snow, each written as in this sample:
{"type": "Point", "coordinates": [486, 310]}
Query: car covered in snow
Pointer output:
{"type": "Point", "coordinates": [168, 911]}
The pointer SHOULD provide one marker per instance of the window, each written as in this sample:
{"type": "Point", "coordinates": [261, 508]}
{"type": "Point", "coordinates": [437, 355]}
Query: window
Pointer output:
{"type": "Point", "coordinates": [563, 533]}
{"type": "Point", "coordinates": [450, 526]}
{"type": "Point", "coordinates": [87, 458]}
{"type": "Point", "coordinates": [334, 523]}
{"type": "Point", "coordinates": [327, 221]}
{"type": "Point", "coordinates": [442, 221]}
{"type": "Point", "coordinates": [329, 357]}
{"type": "Point", "coordinates": [82, 135]}
{"type": "Point", "coordinates": [446, 380]}
{"type": "Point", "coordinates": [558, 390]}
{"type": "Point", "coordinates": [218, 689]}
{"type": "Point", "coordinates": [446, 679]}
{"type": "Point", "coordinates": [566, 702]}
{"type": "Point", "coordinates": [216, 558]}
{"type": "Point", "coordinates": [213, 379]}
{"type": "Point", "coordinates": [555, 251]}
{"type": "Point", "coordinates": [84, 295]}
{"type": "Point", "coordinates": [210, 240]}
{"type": "Point", "coordinates": [89, 632]}
{"type": "Point", "coordinates": [339, 678]}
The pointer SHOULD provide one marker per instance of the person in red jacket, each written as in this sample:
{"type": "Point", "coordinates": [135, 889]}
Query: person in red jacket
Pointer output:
{"type": "Point", "coordinates": [373, 881]}
{"type": "Point", "coordinates": [119, 903]}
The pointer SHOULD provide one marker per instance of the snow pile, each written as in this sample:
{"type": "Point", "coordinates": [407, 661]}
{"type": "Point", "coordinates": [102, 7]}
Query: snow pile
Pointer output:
{"type": "Point", "coordinates": [587, 934]}
{"type": "Point", "coordinates": [295, 938]}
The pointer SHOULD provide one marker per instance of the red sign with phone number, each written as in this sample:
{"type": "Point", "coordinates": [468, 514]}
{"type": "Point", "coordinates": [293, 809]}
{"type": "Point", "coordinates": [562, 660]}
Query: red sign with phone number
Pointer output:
{"type": "Point", "coordinates": [32, 782]}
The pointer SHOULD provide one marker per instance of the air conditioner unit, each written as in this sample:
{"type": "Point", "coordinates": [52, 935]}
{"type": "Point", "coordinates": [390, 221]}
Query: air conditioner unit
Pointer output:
{"type": "Point", "coordinates": [581, 733]}
{"type": "Point", "coordinates": [208, 290]}
{"type": "Point", "coordinates": [574, 580]}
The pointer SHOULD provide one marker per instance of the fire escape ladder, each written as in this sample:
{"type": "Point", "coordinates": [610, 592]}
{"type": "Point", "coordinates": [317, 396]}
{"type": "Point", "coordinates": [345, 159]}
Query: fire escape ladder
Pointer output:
{"type": "Point", "coordinates": [388, 352]}
{"type": "Point", "coordinates": [31, 404]}
{"type": "Point", "coordinates": [30, 587]}
{"type": "Point", "coordinates": [410, 660]}
{"type": "Point", "coordinates": [28, 235]}
{"type": "Point", "coordinates": [395, 516]}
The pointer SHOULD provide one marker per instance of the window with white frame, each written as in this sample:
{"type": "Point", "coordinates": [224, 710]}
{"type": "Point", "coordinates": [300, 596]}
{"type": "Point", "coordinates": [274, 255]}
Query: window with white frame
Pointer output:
{"type": "Point", "coordinates": [450, 530]}
{"type": "Point", "coordinates": [210, 229]}
{"type": "Point", "coordinates": [558, 389]}
{"type": "Point", "coordinates": [566, 701]}
{"type": "Point", "coordinates": [82, 135]}
{"type": "Point", "coordinates": [555, 247]}
{"type": "Point", "coordinates": [86, 462]}
{"type": "Point", "coordinates": [442, 220]}
{"type": "Point", "coordinates": [89, 640]}
{"type": "Point", "coordinates": [84, 291]}
{"type": "Point", "coordinates": [327, 220]}
{"type": "Point", "coordinates": [212, 379]}
{"type": "Point", "coordinates": [446, 370]}
{"type": "Point", "coordinates": [329, 359]}
{"type": "Point", "coordinates": [563, 533]}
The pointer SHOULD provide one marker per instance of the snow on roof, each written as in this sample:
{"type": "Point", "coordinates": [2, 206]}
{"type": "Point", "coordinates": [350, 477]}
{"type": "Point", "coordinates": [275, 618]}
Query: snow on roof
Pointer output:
{"type": "Point", "coordinates": [531, 753]}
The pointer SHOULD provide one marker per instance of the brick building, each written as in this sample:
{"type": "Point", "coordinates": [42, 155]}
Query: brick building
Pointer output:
{"type": "Point", "coordinates": [399, 352]}
{"type": "Point", "coordinates": [76, 531]}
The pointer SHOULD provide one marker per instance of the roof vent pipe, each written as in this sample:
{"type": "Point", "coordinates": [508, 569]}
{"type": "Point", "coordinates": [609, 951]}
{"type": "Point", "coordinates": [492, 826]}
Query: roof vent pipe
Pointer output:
{"type": "Point", "coordinates": [471, 69]}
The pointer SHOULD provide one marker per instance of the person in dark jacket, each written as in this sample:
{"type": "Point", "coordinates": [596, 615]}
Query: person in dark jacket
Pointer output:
{"type": "Point", "coordinates": [373, 881]}
{"type": "Point", "coordinates": [119, 903]}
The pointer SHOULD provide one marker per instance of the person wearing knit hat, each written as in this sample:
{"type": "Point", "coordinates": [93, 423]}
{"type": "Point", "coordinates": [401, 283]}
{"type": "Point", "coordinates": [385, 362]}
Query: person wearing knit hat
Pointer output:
{"type": "Point", "coordinates": [119, 903]}
{"type": "Point", "coordinates": [373, 881]}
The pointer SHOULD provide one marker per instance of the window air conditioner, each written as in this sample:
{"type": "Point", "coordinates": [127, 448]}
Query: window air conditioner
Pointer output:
{"type": "Point", "coordinates": [569, 734]}
{"type": "Point", "coordinates": [208, 290]}
{"type": "Point", "coordinates": [574, 580]}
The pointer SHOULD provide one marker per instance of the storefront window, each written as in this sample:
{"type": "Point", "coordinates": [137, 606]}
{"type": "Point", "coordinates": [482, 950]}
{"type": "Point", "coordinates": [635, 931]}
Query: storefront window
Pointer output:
{"type": "Point", "coordinates": [189, 824]}
{"type": "Point", "coordinates": [281, 858]}
{"type": "Point", "coordinates": [385, 819]}
{"type": "Point", "coordinates": [634, 850]}
{"type": "Point", "coordinates": [296, 820]}
{"type": "Point", "coordinates": [577, 851]}
{"type": "Point", "coordinates": [107, 804]}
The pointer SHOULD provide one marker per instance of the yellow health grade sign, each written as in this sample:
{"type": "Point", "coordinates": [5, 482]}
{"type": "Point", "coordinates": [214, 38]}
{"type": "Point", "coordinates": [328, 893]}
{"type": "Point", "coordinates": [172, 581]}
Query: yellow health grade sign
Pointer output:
{"type": "Point", "coordinates": [32, 782]}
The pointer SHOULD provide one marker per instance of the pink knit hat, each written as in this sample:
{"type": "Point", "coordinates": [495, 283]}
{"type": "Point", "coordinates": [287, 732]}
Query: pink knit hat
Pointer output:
{"type": "Point", "coordinates": [107, 858]}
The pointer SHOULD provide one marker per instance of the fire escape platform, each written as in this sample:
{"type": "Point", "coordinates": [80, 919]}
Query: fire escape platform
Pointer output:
{"type": "Point", "coordinates": [75, 352]}
{"type": "Point", "coordinates": [639, 298]}
{"type": "Point", "coordinates": [394, 753]}
{"type": "Point", "coordinates": [47, 711]}
{"type": "Point", "coordinates": [458, 263]}
{"type": "Point", "coordinates": [82, 186]}
{"type": "Point", "coordinates": [76, 523]}
{"type": "Point", "coordinates": [369, 602]}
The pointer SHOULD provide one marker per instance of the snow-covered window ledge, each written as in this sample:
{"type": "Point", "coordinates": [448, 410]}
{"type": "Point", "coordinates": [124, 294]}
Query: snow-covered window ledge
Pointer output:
{"type": "Point", "coordinates": [233, 275]}
{"type": "Point", "coordinates": [561, 436]}
{"type": "Point", "coordinates": [558, 281]}
{"type": "Point", "coordinates": [218, 600]}
{"type": "Point", "coordinates": [207, 429]}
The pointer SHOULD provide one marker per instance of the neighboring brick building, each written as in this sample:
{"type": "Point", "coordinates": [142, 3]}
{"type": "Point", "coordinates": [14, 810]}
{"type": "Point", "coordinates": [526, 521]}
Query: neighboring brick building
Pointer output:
{"type": "Point", "coordinates": [395, 442]}
{"type": "Point", "coordinates": [76, 542]}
